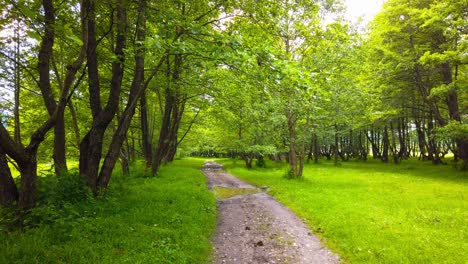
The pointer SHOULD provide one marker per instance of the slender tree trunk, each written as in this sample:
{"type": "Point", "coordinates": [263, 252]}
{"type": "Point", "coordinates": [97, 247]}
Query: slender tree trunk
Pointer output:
{"type": "Point", "coordinates": [421, 140]}
{"type": "Point", "coordinates": [374, 144]}
{"type": "Point", "coordinates": [292, 143]}
{"type": "Point", "coordinates": [301, 160]}
{"type": "Point", "coordinates": [60, 160]}
{"type": "Point", "coordinates": [8, 190]}
{"type": "Point", "coordinates": [17, 83]}
{"type": "Point", "coordinates": [178, 112]}
{"type": "Point", "coordinates": [91, 145]}
{"type": "Point", "coordinates": [136, 91]}
{"type": "Point", "coordinates": [76, 128]}
{"type": "Point", "coordinates": [396, 157]}
{"type": "Point", "coordinates": [335, 148]}
{"type": "Point", "coordinates": [145, 138]}
{"type": "Point", "coordinates": [163, 142]}
{"type": "Point", "coordinates": [316, 149]}
{"type": "Point", "coordinates": [168, 117]}
{"type": "Point", "coordinates": [26, 158]}
{"type": "Point", "coordinates": [386, 144]}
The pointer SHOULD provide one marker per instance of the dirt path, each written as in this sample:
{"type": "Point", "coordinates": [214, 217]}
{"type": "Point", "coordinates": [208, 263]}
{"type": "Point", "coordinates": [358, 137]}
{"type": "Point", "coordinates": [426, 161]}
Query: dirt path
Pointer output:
{"type": "Point", "coordinates": [255, 228]}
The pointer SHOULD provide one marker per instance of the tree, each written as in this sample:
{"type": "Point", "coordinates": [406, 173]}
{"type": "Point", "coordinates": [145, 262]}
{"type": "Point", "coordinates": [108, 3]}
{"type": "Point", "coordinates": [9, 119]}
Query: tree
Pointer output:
{"type": "Point", "coordinates": [418, 44]}
{"type": "Point", "coordinates": [26, 157]}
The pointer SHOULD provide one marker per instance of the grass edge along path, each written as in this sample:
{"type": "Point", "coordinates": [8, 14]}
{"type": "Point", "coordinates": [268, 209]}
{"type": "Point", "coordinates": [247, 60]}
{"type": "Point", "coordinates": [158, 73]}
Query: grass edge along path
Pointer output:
{"type": "Point", "coordinates": [376, 213]}
{"type": "Point", "coordinates": [167, 219]}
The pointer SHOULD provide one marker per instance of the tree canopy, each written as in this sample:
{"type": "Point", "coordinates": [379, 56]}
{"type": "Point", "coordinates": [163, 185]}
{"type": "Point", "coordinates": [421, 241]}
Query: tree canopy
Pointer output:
{"type": "Point", "coordinates": [116, 80]}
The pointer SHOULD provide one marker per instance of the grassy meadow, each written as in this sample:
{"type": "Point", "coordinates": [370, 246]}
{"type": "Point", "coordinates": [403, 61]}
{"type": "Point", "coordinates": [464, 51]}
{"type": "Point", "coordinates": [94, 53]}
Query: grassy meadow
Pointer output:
{"type": "Point", "coordinates": [168, 219]}
{"type": "Point", "coordinates": [376, 213]}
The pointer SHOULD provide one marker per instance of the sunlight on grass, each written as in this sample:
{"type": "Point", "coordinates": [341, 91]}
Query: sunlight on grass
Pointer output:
{"type": "Point", "coordinates": [377, 213]}
{"type": "Point", "coordinates": [167, 219]}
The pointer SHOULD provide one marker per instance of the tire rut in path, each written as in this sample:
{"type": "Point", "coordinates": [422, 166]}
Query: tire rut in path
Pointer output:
{"type": "Point", "coordinates": [255, 228]}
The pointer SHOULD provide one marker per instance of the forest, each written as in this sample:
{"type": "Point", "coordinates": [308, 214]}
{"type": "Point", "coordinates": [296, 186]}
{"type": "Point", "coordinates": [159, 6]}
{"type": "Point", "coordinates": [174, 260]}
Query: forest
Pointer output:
{"type": "Point", "coordinates": [90, 87]}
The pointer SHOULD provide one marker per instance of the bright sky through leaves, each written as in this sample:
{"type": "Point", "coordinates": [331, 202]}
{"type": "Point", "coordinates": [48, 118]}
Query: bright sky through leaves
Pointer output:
{"type": "Point", "coordinates": [366, 9]}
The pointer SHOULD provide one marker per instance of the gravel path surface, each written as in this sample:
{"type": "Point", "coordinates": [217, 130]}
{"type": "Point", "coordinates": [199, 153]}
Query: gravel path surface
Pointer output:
{"type": "Point", "coordinates": [255, 228]}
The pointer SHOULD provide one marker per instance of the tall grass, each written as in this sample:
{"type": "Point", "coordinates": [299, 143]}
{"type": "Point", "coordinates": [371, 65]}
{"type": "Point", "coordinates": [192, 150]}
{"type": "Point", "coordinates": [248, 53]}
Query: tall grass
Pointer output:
{"type": "Point", "coordinates": [377, 213]}
{"type": "Point", "coordinates": [168, 219]}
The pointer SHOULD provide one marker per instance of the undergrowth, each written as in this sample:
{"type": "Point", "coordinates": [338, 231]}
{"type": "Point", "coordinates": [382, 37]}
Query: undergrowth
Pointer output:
{"type": "Point", "coordinates": [141, 219]}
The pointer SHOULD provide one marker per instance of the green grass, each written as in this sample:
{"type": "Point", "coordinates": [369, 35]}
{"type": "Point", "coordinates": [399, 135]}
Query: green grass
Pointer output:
{"type": "Point", "coordinates": [376, 213]}
{"type": "Point", "coordinates": [168, 219]}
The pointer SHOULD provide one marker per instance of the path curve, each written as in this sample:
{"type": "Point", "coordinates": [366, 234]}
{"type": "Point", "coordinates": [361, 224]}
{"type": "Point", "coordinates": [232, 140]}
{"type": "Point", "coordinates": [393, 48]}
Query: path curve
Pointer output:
{"type": "Point", "coordinates": [255, 228]}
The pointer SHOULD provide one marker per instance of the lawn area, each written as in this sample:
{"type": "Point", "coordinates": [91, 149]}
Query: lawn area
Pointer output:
{"type": "Point", "coordinates": [168, 219]}
{"type": "Point", "coordinates": [376, 213]}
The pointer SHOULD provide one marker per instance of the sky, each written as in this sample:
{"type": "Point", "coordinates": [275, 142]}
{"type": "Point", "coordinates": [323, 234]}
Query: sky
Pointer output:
{"type": "Point", "coordinates": [365, 8]}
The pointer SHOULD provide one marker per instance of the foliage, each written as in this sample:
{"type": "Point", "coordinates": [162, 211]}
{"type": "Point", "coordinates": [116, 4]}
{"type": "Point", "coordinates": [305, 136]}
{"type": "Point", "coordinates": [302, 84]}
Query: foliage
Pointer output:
{"type": "Point", "coordinates": [376, 213]}
{"type": "Point", "coordinates": [168, 219]}
{"type": "Point", "coordinates": [454, 130]}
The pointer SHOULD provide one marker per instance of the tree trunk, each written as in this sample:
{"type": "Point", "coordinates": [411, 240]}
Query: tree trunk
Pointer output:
{"type": "Point", "coordinates": [91, 145]}
{"type": "Point", "coordinates": [60, 160]}
{"type": "Point", "coordinates": [421, 140]}
{"type": "Point", "coordinates": [177, 114]}
{"type": "Point", "coordinates": [8, 190]}
{"type": "Point", "coordinates": [374, 146]}
{"type": "Point", "coordinates": [28, 190]}
{"type": "Point", "coordinates": [335, 148]}
{"type": "Point", "coordinates": [386, 144]}
{"type": "Point", "coordinates": [301, 160]}
{"type": "Point", "coordinates": [17, 84]}
{"type": "Point", "coordinates": [292, 142]}
{"type": "Point", "coordinates": [316, 149]}
{"type": "Point", "coordinates": [393, 147]}
{"type": "Point", "coordinates": [145, 138]}
{"type": "Point", "coordinates": [26, 158]}
{"type": "Point", "coordinates": [163, 141]}
{"type": "Point", "coordinates": [136, 90]}
{"type": "Point", "coordinates": [76, 128]}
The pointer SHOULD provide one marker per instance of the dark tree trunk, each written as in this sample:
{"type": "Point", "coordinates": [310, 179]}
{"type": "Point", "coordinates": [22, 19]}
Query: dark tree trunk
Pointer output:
{"type": "Point", "coordinates": [374, 144]}
{"type": "Point", "coordinates": [145, 138]}
{"type": "Point", "coordinates": [386, 144]}
{"type": "Point", "coordinates": [76, 128]}
{"type": "Point", "coordinates": [44, 57]}
{"type": "Point", "coordinates": [301, 161]}
{"type": "Point", "coordinates": [27, 194]}
{"type": "Point", "coordinates": [421, 140]}
{"type": "Point", "coordinates": [26, 157]}
{"type": "Point", "coordinates": [163, 142]}
{"type": "Point", "coordinates": [8, 190]}
{"type": "Point", "coordinates": [335, 147]}
{"type": "Point", "coordinates": [91, 145]}
{"type": "Point", "coordinates": [177, 114]}
{"type": "Point", "coordinates": [393, 147]}
{"type": "Point", "coordinates": [17, 84]}
{"type": "Point", "coordinates": [136, 91]}
{"type": "Point", "coordinates": [310, 150]}
{"type": "Point", "coordinates": [124, 161]}
{"type": "Point", "coordinates": [292, 142]}
{"type": "Point", "coordinates": [164, 134]}
{"type": "Point", "coordinates": [60, 160]}
{"type": "Point", "coordinates": [403, 152]}
{"type": "Point", "coordinates": [248, 158]}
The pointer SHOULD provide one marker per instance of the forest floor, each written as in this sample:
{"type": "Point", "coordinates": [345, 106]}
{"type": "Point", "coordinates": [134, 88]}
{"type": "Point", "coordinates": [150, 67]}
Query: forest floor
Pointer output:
{"type": "Point", "coordinates": [254, 228]}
